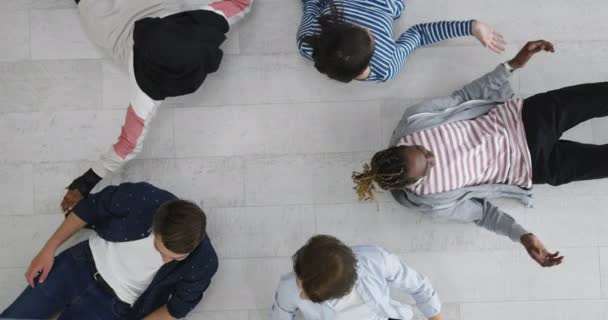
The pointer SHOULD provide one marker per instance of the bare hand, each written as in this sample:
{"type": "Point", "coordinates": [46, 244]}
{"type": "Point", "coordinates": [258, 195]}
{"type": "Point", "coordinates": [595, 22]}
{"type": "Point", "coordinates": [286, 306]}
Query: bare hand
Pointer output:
{"type": "Point", "coordinates": [437, 317]}
{"type": "Point", "coordinates": [536, 250]}
{"type": "Point", "coordinates": [488, 37]}
{"type": "Point", "coordinates": [42, 264]}
{"type": "Point", "coordinates": [531, 48]}
{"type": "Point", "coordinates": [70, 200]}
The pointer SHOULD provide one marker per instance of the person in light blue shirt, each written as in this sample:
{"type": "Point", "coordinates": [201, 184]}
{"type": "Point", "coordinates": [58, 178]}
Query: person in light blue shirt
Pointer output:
{"type": "Point", "coordinates": [332, 281]}
{"type": "Point", "coordinates": [353, 39]}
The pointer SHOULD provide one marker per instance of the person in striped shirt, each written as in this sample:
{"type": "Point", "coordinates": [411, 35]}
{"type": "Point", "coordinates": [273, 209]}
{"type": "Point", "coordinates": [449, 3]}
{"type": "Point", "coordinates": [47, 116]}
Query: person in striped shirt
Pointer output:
{"type": "Point", "coordinates": [353, 39]}
{"type": "Point", "coordinates": [166, 50]}
{"type": "Point", "coordinates": [450, 156]}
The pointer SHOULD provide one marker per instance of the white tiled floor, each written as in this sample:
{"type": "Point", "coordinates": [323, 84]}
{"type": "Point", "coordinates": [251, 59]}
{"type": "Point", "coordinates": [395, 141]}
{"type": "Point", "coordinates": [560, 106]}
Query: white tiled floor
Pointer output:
{"type": "Point", "coordinates": [267, 147]}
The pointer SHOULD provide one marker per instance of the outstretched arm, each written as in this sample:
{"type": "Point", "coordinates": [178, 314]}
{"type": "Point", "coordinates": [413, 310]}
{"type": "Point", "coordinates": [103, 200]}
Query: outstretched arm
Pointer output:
{"type": "Point", "coordinates": [488, 216]}
{"type": "Point", "coordinates": [428, 33]}
{"type": "Point", "coordinates": [500, 222]}
{"type": "Point", "coordinates": [232, 10]}
{"type": "Point", "coordinates": [129, 144]}
{"type": "Point", "coordinates": [401, 276]}
{"type": "Point", "coordinates": [495, 85]}
{"type": "Point", "coordinates": [140, 113]}
{"type": "Point", "coordinates": [43, 262]}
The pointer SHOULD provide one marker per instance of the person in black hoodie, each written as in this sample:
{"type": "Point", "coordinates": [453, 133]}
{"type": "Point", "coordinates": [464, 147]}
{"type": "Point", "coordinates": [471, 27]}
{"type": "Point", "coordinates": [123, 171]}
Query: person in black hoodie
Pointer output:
{"type": "Point", "coordinates": [168, 52]}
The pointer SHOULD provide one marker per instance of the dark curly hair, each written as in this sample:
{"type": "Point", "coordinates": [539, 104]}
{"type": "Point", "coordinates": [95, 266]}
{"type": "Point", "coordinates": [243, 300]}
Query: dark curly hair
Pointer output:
{"type": "Point", "coordinates": [388, 169]}
{"type": "Point", "coordinates": [341, 50]}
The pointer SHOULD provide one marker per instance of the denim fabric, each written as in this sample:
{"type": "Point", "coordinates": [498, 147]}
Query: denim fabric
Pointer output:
{"type": "Point", "coordinates": [69, 290]}
{"type": "Point", "coordinates": [125, 213]}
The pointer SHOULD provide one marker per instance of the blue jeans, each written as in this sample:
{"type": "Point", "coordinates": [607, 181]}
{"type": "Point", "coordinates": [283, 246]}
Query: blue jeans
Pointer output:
{"type": "Point", "coordinates": [70, 290]}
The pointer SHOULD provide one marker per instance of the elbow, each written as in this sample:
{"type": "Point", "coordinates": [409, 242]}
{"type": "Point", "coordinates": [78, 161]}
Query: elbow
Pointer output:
{"type": "Point", "coordinates": [126, 148]}
{"type": "Point", "coordinates": [129, 142]}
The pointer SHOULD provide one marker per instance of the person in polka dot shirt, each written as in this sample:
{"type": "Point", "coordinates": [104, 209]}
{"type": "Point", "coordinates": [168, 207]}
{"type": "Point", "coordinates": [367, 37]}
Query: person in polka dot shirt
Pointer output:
{"type": "Point", "coordinates": [149, 257]}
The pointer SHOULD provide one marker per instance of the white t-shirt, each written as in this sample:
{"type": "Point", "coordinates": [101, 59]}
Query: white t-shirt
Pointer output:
{"type": "Point", "coordinates": [127, 267]}
{"type": "Point", "coordinates": [351, 307]}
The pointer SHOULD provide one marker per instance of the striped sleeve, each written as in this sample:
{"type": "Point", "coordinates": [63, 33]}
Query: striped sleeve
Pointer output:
{"type": "Point", "coordinates": [309, 25]}
{"type": "Point", "coordinates": [140, 113]}
{"type": "Point", "coordinates": [428, 33]}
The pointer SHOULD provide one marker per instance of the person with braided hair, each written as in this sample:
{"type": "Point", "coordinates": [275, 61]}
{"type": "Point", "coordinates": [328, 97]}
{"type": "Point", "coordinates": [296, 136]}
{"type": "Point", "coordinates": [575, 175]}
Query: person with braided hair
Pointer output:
{"type": "Point", "coordinates": [353, 39]}
{"type": "Point", "coordinates": [450, 156]}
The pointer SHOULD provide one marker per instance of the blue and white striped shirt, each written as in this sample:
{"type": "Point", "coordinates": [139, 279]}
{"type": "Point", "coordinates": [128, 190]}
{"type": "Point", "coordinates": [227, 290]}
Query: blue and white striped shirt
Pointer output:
{"type": "Point", "coordinates": [378, 16]}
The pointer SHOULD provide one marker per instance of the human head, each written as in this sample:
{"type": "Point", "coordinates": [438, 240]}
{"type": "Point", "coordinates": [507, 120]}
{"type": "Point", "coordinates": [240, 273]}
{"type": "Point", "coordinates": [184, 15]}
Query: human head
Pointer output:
{"type": "Point", "coordinates": [393, 169]}
{"type": "Point", "coordinates": [325, 268]}
{"type": "Point", "coordinates": [178, 228]}
{"type": "Point", "coordinates": [341, 50]}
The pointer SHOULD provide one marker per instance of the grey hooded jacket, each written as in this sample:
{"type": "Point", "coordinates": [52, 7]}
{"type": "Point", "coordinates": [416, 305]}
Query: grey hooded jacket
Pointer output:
{"type": "Point", "coordinates": [468, 204]}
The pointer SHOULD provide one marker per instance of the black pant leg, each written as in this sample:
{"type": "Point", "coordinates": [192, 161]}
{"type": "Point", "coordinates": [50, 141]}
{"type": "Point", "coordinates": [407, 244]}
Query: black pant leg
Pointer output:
{"type": "Point", "coordinates": [547, 116]}
{"type": "Point", "coordinates": [573, 161]}
{"type": "Point", "coordinates": [565, 108]}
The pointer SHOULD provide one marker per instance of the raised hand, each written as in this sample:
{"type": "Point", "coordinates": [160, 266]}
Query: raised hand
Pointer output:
{"type": "Point", "coordinates": [70, 200]}
{"type": "Point", "coordinates": [531, 48]}
{"type": "Point", "coordinates": [41, 264]}
{"type": "Point", "coordinates": [536, 250]}
{"type": "Point", "coordinates": [488, 37]}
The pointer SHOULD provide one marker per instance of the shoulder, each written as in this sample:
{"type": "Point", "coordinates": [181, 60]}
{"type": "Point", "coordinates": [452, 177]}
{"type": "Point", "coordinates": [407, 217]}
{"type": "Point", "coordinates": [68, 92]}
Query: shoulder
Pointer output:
{"type": "Point", "coordinates": [287, 290]}
{"type": "Point", "coordinates": [202, 264]}
{"type": "Point", "coordinates": [382, 67]}
{"type": "Point", "coordinates": [137, 199]}
{"type": "Point", "coordinates": [370, 255]}
{"type": "Point", "coordinates": [373, 262]}
{"type": "Point", "coordinates": [144, 191]}
{"type": "Point", "coordinates": [205, 257]}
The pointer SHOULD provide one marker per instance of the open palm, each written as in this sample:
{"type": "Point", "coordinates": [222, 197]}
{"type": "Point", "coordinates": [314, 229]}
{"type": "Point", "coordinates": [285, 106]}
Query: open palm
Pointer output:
{"type": "Point", "coordinates": [488, 37]}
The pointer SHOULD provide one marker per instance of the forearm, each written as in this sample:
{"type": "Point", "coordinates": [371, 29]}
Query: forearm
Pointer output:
{"type": "Point", "coordinates": [401, 276]}
{"type": "Point", "coordinates": [495, 85]}
{"type": "Point", "coordinates": [500, 222]}
{"type": "Point", "coordinates": [66, 230]}
{"type": "Point", "coordinates": [161, 313]}
{"type": "Point", "coordinates": [428, 33]}
{"type": "Point", "coordinates": [232, 10]}
{"type": "Point", "coordinates": [131, 138]}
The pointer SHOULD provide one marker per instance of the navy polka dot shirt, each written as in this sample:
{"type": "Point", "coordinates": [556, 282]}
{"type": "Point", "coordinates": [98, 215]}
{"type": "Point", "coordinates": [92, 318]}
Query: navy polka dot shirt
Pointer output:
{"type": "Point", "coordinates": [125, 213]}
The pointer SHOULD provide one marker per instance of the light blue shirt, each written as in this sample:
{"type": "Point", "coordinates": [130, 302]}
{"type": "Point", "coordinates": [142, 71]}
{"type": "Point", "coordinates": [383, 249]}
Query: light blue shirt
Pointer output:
{"type": "Point", "coordinates": [377, 272]}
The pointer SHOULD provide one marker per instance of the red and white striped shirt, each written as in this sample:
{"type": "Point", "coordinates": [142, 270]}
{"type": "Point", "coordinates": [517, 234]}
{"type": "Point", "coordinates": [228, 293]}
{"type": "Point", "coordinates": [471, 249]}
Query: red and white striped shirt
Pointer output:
{"type": "Point", "coordinates": [489, 149]}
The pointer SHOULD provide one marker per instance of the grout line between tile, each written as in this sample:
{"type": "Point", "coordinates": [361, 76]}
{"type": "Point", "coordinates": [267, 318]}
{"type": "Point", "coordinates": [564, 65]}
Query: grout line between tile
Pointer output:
{"type": "Point", "coordinates": [29, 34]}
{"type": "Point", "coordinates": [599, 266]}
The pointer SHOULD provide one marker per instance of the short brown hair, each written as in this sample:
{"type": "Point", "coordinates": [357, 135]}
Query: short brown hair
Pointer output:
{"type": "Point", "coordinates": [180, 224]}
{"type": "Point", "coordinates": [326, 268]}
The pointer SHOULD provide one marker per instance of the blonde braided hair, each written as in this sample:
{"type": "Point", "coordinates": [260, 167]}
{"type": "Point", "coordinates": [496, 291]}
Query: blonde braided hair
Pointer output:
{"type": "Point", "coordinates": [387, 169]}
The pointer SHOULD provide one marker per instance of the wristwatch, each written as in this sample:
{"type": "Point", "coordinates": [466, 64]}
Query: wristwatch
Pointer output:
{"type": "Point", "coordinates": [508, 66]}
